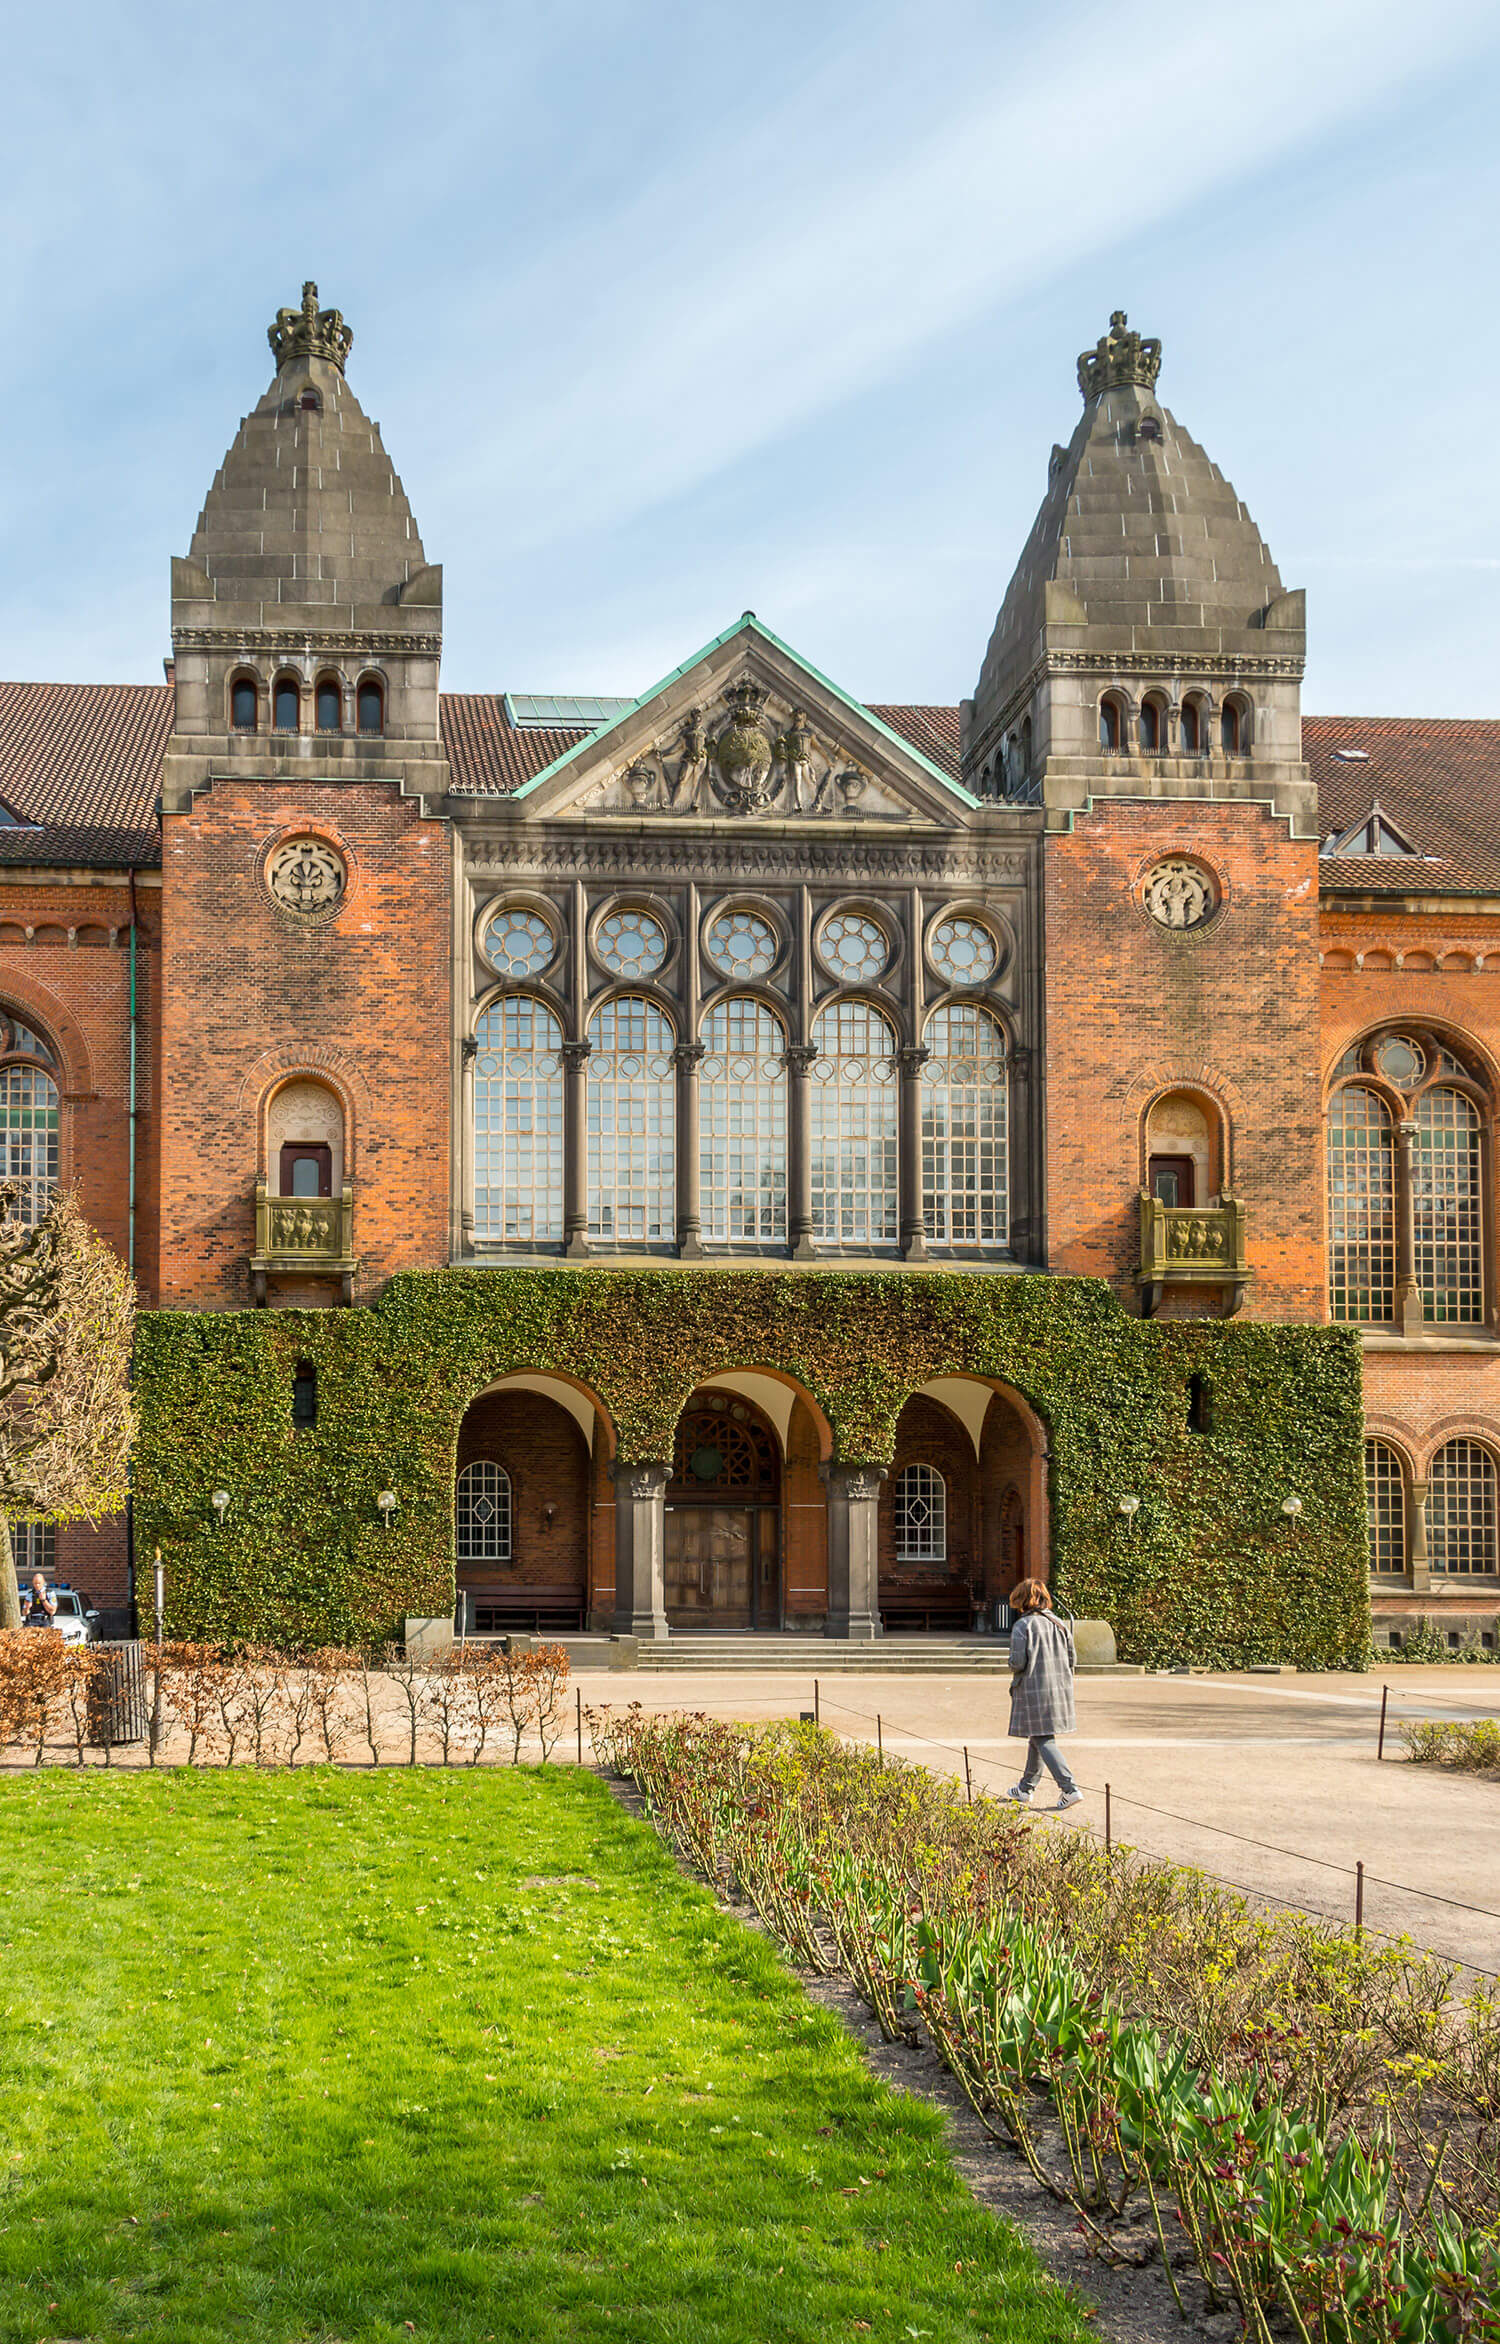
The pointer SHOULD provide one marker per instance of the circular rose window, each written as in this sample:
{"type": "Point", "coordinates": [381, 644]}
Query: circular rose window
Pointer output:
{"type": "Point", "coordinates": [741, 943]}
{"type": "Point", "coordinates": [1179, 894]}
{"type": "Point", "coordinates": [518, 941]}
{"type": "Point", "coordinates": [851, 945]}
{"type": "Point", "coordinates": [630, 943]}
{"type": "Point", "coordinates": [306, 875]}
{"type": "Point", "coordinates": [963, 949]}
{"type": "Point", "coordinates": [1402, 1061]}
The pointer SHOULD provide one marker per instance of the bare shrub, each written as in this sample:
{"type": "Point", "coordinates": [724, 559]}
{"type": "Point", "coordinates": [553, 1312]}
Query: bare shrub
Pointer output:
{"type": "Point", "coordinates": [450, 1703]}
{"type": "Point", "coordinates": [190, 1675]}
{"type": "Point", "coordinates": [263, 1684]}
{"type": "Point", "coordinates": [36, 1674]}
{"type": "Point", "coordinates": [365, 1675]}
{"type": "Point", "coordinates": [410, 1682]}
{"type": "Point", "coordinates": [328, 1672]}
{"type": "Point", "coordinates": [298, 1686]}
{"type": "Point", "coordinates": [549, 1684]}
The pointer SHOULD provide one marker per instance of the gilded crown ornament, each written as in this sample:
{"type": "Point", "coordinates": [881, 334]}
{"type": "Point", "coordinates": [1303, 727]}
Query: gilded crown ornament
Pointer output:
{"type": "Point", "coordinates": [1117, 358]}
{"type": "Point", "coordinates": [310, 332]}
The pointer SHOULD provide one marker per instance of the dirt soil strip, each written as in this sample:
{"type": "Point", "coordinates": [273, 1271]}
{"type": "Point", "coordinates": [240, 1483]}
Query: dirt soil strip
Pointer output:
{"type": "Point", "coordinates": [1131, 2298]}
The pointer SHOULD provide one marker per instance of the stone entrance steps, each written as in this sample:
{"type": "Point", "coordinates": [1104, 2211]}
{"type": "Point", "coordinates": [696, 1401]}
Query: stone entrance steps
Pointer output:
{"type": "Point", "coordinates": [826, 1656]}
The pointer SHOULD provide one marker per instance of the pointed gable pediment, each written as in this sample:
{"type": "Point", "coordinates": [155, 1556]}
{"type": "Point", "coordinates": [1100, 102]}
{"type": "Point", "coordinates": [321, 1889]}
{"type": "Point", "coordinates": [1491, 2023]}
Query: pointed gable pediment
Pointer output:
{"type": "Point", "coordinates": [745, 731]}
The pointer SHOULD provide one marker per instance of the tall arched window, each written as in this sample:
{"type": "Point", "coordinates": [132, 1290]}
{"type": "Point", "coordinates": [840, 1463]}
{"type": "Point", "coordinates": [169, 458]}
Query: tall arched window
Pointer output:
{"type": "Point", "coordinates": [852, 1114]}
{"type": "Point", "coordinates": [1234, 727]}
{"type": "Point", "coordinates": [286, 704]}
{"type": "Point", "coordinates": [481, 1514]}
{"type": "Point", "coordinates": [244, 704]}
{"type": "Point", "coordinates": [1193, 727]}
{"type": "Point", "coordinates": [518, 1123]}
{"type": "Point", "coordinates": [1112, 723]}
{"type": "Point", "coordinates": [1385, 1508]}
{"type": "Point", "coordinates": [742, 1110]}
{"type": "Point", "coordinates": [1361, 1207]}
{"type": "Point", "coordinates": [632, 1118]}
{"type": "Point", "coordinates": [1445, 1200]}
{"type": "Point", "coordinates": [1153, 724]}
{"type": "Point", "coordinates": [328, 712]}
{"type": "Point", "coordinates": [921, 1511]}
{"type": "Point", "coordinates": [369, 705]}
{"type": "Point", "coordinates": [28, 1117]}
{"type": "Point", "coordinates": [965, 1152]}
{"type": "Point", "coordinates": [1461, 1511]}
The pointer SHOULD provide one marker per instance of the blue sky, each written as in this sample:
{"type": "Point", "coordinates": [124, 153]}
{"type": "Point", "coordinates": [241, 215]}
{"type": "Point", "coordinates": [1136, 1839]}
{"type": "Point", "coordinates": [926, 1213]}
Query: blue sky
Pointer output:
{"type": "Point", "coordinates": [670, 311]}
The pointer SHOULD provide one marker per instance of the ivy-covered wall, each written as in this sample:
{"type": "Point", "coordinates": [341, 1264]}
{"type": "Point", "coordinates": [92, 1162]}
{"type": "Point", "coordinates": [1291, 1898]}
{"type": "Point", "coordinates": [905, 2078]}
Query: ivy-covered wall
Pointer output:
{"type": "Point", "coordinates": [1209, 1570]}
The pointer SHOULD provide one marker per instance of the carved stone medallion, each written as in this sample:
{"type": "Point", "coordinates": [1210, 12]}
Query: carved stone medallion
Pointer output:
{"type": "Point", "coordinates": [306, 875]}
{"type": "Point", "coordinates": [1179, 894]}
{"type": "Point", "coordinates": [745, 777]}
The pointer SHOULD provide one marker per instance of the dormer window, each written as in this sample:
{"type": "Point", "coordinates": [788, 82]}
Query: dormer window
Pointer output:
{"type": "Point", "coordinates": [1148, 429]}
{"type": "Point", "coordinates": [244, 704]}
{"type": "Point", "coordinates": [310, 404]}
{"type": "Point", "coordinates": [329, 706]}
{"type": "Point", "coordinates": [1112, 722]}
{"type": "Point", "coordinates": [1373, 834]}
{"type": "Point", "coordinates": [286, 705]}
{"type": "Point", "coordinates": [370, 705]}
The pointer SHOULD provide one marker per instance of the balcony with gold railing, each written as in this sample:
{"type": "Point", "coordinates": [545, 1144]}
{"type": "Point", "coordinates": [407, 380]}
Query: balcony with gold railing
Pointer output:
{"type": "Point", "coordinates": [1193, 1246]}
{"type": "Point", "coordinates": [304, 1237]}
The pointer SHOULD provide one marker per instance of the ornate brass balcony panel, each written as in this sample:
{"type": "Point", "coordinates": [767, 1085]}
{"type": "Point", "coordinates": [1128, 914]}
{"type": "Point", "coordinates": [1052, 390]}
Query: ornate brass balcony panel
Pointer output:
{"type": "Point", "coordinates": [304, 1237]}
{"type": "Point", "coordinates": [1193, 1245]}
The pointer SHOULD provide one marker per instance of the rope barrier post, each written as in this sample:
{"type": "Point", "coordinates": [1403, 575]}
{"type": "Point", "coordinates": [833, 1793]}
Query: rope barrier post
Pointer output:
{"type": "Point", "coordinates": [1359, 1901]}
{"type": "Point", "coordinates": [1385, 1694]}
{"type": "Point", "coordinates": [578, 1699]}
{"type": "Point", "coordinates": [817, 1705]}
{"type": "Point", "coordinates": [968, 1777]}
{"type": "Point", "coordinates": [1107, 1842]}
{"type": "Point", "coordinates": [879, 1742]}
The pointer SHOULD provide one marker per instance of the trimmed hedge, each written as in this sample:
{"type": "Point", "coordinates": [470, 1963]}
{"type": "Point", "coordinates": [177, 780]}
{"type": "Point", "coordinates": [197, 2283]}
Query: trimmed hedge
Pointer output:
{"type": "Point", "coordinates": [1209, 1571]}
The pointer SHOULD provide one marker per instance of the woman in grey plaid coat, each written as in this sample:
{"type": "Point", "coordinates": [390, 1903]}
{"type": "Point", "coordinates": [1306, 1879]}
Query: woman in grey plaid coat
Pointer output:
{"type": "Point", "coordinates": [1041, 1691]}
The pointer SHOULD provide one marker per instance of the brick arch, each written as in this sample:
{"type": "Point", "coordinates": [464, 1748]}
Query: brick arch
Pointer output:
{"type": "Point", "coordinates": [1399, 1437]}
{"type": "Point", "coordinates": [1481, 1430]}
{"type": "Point", "coordinates": [266, 1074]}
{"type": "Point", "coordinates": [50, 1015]}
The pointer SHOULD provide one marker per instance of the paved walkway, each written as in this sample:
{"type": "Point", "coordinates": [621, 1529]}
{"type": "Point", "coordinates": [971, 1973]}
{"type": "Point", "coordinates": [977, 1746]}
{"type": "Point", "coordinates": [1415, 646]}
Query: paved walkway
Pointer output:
{"type": "Point", "coordinates": [1269, 1782]}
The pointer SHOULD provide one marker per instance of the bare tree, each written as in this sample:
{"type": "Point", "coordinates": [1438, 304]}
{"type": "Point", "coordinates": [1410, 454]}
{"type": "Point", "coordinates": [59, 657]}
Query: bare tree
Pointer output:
{"type": "Point", "coordinates": [67, 1319]}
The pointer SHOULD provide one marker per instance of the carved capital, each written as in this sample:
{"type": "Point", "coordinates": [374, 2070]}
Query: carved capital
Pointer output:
{"type": "Point", "coordinates": [640, 1481]}
{"type": "Point", "coordinates": [575, 1055]}
{"type": "Point", "coordinates": [854, 1481]}
{"type": "Point", "coordinates": [912, 1058]}
{"type": "Point", "coordinates": [799, 1056]}
{"type": "Point", "coordinates": [688, 1056]}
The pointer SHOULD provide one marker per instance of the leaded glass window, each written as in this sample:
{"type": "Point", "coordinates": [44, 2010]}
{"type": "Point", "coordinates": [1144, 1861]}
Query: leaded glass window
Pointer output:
{"type": "Point", "coordinates": [921, 1515]}
{"type": "Point", "coordinates": [518, 941]}
{"type": "Point", "coordinates": [1361, 1207]}
{"type": "Point", "coordinates": [853, 946]}
{"type": "Point", "coordinates": [741, 942]}
{"type": "Point", "coordinates": [742, 1125]}
{"type": "Point", "coordinates": [1445, 1201]}
{"type": "Point", "coordinates": [28, 1138]}
{"type": "Point", "coordinates": [965, 1156]}
{"type": "Point", "coordinates": [630, 942]}
{"type": "Point", "coordinates": [481, 1514]}
{"type": "Point", "coordinates": [852, 1116]}
{"type": "Point", "coordinates": [518, 1123]}
{"type": "Point", "coordinates": [1461, 1510]}
{"type": "Point", "coordinates": [963, 949]}
{"type": "Point", "coordinates": [1385, 1508]}
{"type": "Point", "coordinates": [632, 1124]}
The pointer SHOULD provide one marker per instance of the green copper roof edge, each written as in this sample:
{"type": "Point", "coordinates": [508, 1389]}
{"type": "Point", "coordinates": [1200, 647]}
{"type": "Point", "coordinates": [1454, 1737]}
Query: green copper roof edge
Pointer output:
{"type": "Point", "coordinates": [749, 624]}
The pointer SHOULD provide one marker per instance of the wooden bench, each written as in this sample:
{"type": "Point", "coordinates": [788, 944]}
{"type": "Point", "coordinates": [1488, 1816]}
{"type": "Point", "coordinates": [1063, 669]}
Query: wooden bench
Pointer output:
{"type": "Point", "coordinates": [926, 1608]}
{"type": "Point", "coordinates": [501, 1611]}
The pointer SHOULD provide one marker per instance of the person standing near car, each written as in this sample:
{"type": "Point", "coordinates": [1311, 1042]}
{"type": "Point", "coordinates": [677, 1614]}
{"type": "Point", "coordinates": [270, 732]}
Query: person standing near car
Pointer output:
{"type": "Point", "coordinates": [41, 1608]}
{"type": "Point", "coordinates": [1041, 1692]}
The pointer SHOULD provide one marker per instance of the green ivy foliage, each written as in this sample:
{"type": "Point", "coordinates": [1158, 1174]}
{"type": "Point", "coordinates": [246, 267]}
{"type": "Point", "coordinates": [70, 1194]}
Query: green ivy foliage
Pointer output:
{"type": "Point", "coordinates": [1209, 1570]}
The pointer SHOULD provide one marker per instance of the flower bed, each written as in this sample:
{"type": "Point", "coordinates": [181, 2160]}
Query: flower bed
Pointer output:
{"type": "Point", "coordinates": [1469, 1748]}
{"type": "Point", "coordinates": [1311, 2115]}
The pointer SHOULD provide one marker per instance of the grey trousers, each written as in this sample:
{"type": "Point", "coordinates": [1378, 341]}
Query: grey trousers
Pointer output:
{"type": "Point", "coordinates": [1042, 1750]}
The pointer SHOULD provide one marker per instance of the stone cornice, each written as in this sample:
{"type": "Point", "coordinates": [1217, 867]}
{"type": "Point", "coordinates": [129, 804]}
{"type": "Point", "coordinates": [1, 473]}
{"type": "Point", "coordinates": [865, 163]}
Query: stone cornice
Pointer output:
{"type": "Point", "coordinates": [370, 643]}
{"type": "Point", "coordinates": [747, 857]}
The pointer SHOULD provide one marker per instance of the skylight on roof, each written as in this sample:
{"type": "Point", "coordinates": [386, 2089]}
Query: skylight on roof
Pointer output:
{"type": "Point", "coordinates": [561, 711]}
{"type": "Point", "coordinates": [1352, 756]}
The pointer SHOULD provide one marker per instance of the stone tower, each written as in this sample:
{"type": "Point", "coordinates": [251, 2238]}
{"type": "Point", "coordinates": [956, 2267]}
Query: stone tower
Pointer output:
{"type": "Point", "coordinates": [1142, 687]}
{"type": "Point", "coordinates": [306, 575]}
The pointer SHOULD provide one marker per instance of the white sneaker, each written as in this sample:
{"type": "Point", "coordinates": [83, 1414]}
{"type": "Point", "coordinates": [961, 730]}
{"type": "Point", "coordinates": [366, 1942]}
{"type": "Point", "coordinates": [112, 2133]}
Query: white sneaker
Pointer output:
{"type": "Point", "coordinates": [1021, 1797]}
{"type": "Point", "coordinates": [1068, 1799]}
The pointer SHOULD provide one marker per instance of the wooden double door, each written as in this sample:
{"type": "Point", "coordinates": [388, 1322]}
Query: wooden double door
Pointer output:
{"type": "Point", "coordinates": [723, 1527]}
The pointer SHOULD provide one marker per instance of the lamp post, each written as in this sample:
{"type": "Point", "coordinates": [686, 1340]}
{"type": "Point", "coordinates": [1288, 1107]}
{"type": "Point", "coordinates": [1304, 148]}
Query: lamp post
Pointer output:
{"type": "Point", "coordinates": [220, 1501]}
{"type": "Point", "coordinates": [385, 1500]}
{"type": "Point", "coordinates": [1129, 1507]}
{"type": "Point", "coordinates": [1291, 1507]}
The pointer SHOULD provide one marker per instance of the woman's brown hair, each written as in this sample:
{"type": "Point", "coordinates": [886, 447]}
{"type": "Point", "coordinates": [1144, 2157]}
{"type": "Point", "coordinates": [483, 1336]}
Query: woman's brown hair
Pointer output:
{"type": "Point", "coordinates": [1029, 1595]}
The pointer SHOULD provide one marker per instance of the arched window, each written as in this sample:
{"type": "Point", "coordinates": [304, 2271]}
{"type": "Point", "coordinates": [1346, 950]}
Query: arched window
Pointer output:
{"type": "Point", "coordinates": [1153, 724]}
{"type": "Point", "coordinates": [1026, 751]}
{"type": "Point", "coordinates": [1385, 1508]}
{"type": "Point", "coordinates": [369, 705]}
{"type": "Point", "coordinates": [965, 1155]}
{"type": "Point", "coordinates": [310, 403]}
{"type": "Point", "coordinates": [518, 1123]}
{"type": "Point", "coordinates": [286, 704]}
{"type": "Point", "coordinates": [244, 704]}
{"type": "Point", "coordinates": [1112, 723]}
{"type": "Point", "coordinates": [1234, 727]}
{"type": "Point", "coordinates": [1461, 1511]}
{"type": "Point", "coordinates": [742, 1110]}
{"type": "Point", "coordinates": [921, 1511]}
{"type": "Point", "coordinates": [28, 1117]}
{"type": "Point", "coordinates": [1361, 1207]}
{"type": "Point", "coordinates": [329, 705]}
{"type": "Point", "coordinates": [632, 1119]}
{"type": "Point", "coordinates": [481, 1514]}
{"type": "Point", "coordinates": [1193, 727]}
{"type": "Point", "coordinates": [1445, 1200]}
{"type": "Point", "coordinates": [852, 1113]}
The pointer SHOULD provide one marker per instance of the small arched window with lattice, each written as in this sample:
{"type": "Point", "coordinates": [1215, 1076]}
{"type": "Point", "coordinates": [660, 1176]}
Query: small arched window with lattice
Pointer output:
{"type": "Point", "coordinates": [1385, 1508]}
{"type": "Point", "coordinates": [28, 1116]}
{"type": "Point", "coordinates": [1461, 1512]}
{"type": "Point", "coordinates": [722, 1447]}
{"type": "Point", "coordinates": [481, 1513]}
{"type": "Point", "coordinates": [921, 1515]}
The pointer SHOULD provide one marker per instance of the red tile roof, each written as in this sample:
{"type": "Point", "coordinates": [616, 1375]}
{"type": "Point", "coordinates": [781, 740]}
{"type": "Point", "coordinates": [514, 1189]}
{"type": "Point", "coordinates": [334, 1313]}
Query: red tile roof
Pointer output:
{"type": "Point", "coordinates": [1435, 778]}
{"type": "Point", "coordinates": [81, 761]}
{"type": "Point", "coordinates": [489, 755]}
{"type": "Point", "coordinates": [932, 730]}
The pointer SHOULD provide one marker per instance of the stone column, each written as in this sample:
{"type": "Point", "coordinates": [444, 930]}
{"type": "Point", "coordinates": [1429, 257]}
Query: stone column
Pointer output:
{"type": "Point", "coordinates": [799, 1059]}
{"type": "Point", "coordinates": [1418, 1569]}
{"type": "Point", "coordinates": [575, 1057]}
{"type": "Point", "coordinates": [687, 1057]}
{"type": "Point", "coordinates": [854, 1551]}
{"type": "Point", "coordinates": [909, 1155]}
{"type": "Point", "coordinates": [1408, 1298]}
{"type": "Point", "coordinates": [640, 1548]}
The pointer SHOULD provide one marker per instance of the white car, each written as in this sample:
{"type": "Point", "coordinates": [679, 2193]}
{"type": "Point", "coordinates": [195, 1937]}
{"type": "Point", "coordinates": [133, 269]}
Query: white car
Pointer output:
{"type": "Point", "coordinates": [76, 1621]}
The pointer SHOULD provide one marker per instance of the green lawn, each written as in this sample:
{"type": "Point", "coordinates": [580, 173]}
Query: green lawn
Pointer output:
{"type": "Point", "coordinates": [345, 2057]}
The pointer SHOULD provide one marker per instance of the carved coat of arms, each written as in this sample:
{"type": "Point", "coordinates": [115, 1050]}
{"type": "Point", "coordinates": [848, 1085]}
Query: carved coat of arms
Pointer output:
{"type": "Point", "coordinates": [745, 774]}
